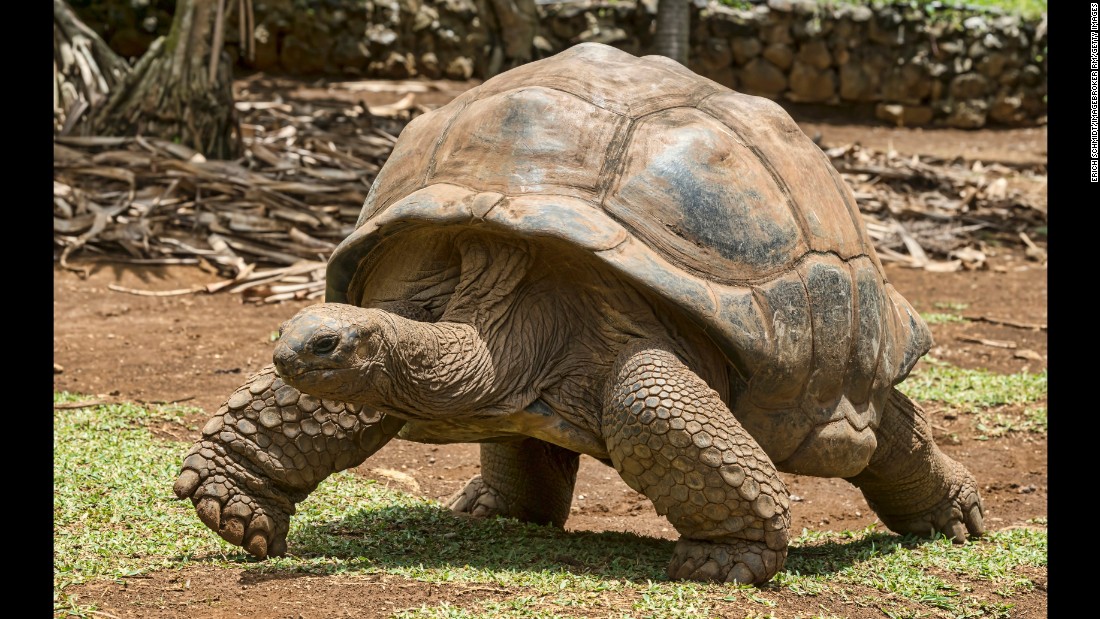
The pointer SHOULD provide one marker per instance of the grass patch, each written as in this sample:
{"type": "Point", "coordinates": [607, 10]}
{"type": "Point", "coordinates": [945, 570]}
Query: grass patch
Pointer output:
{"type": "Point", "coordinates": [970, 390]}
{"type": "Point", "coordinates": [939, 318]}
{"type": "Point", "coordinates": [115, 516]}
{"type": "Point", "coordinates": [994, 424]}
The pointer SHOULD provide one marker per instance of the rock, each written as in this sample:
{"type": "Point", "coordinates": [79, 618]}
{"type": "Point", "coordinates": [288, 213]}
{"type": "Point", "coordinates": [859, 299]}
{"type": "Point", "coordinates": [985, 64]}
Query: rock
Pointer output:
{"type": "Point", "coordinates": [603, 34]}
{"type": "Point", "coordinates": [428, 66]}
{"type": "Point", "coordinates": [744, 49]}
{"type": "Point", "coordinates": [992, 64]}
{"type": "Point", "coordinates": [991, 41]}
{"type": "Point", "coordinates": [861, 14]}
{"type": "Point", "coordinates": [860, 78]}
{"type": "Point", "coordinates": [909, 83]}
{"type": "Point", "coordinates": [351, 55]}
{"type": "Point", "coordinates": [300, 57]}
{"type": "Point", "coordinates": [1009, 77]}
{"type": "Point", "coordinates": [815, 54]}
{"type": "Point", "coordinates": [777, 33]}
{"type": "Point", "coordinates": [976, 50]}
{"type": "Point", "coordinates": [948, 49]}
{"type": "Point", "coordinates": [886, 29]}
{"type": "Point", "coordinates": [904, 115]}
{"type": "Point", "coordinates": [1034, 103]}
{"type": "Point", "coordinates": [1007, 109]}
{"type": "Point", "coordinates": [760, 77]}
{"type": "Point", "coordinates": [969, 86]}
{"type": "Point", "coordinates": [426, 17]}
{"type": "Point", "coordinates": [975, 24]}
{"type": "Point", "coordinates": [381, 35]}
{"type": "Point", "coordinates": [779, 54]}
{"type": "Point", "coordinates": [725, 76]}
{"type": "Point", "coordinates": [967, 115]}
{"type": "Point", "coordinates": [962, 65]}
{"type": "Point", "coordinates": [728, 23]}
{"type": "Point", "coordinates": [460, 68]}
{"type": "Point", "coordinates": [810, 85]}
{"type": "Point", "coordinates": [715, 53]}
{"type": "Point", "coordinates": [811, 29]}
{"type": "Point", "coordinates": [1031, 75]}
{"type": "Point", "coordinates": [395, 65]}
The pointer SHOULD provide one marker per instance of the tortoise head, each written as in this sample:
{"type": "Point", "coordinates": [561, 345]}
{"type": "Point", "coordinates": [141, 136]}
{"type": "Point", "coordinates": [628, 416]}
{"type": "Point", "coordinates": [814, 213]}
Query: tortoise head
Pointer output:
{"type": "Point", "coordinates": [335, 351]}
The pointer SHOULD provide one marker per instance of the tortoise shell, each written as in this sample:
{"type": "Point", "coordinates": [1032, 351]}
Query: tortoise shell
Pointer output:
{"type": "Point", "coordinates": [713, 199]}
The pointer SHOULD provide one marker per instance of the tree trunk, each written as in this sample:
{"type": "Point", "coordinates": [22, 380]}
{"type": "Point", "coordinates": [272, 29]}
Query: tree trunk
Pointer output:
{"type": "Point", "coordinates": [85, 70]}
{"type": "Point", "coordinates": [673, 26]}
{"type": "Point", "coordinates": [511, 27]}
{"type": "Point", "coordinates": [176, 91]}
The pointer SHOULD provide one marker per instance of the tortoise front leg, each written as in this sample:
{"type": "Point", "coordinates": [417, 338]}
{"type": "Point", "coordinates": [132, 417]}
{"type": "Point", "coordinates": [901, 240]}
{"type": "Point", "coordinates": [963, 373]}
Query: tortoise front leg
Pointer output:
{"type": "Point", "coordinates": [530, 480]}
{"type": "Point", "coordinates": [265, 450]}
{"type": "Point", "coordinates": [672, 438]}
{"type": "Point", "coordinates": [911, 484]}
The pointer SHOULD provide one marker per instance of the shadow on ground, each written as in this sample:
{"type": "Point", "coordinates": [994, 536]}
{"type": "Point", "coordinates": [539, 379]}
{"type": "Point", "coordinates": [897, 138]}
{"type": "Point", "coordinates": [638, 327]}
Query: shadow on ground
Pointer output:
{"type": "Point", "coordinates": [432, 537]}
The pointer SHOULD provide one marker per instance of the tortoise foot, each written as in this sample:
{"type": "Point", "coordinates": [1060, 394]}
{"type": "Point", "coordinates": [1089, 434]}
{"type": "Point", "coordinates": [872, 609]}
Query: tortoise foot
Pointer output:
{"type": "Point", "coordinates": [239, 505]}
{"type": "Point", "coordinates": [958, 515]}
{"type": "Point", "coordinates": [739, 561]}
{"type": "Point", "coordinates": [477, 499]}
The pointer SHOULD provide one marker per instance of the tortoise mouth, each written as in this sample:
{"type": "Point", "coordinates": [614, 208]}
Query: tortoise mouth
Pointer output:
{"type": "Point", "coordinates": [309, 379]}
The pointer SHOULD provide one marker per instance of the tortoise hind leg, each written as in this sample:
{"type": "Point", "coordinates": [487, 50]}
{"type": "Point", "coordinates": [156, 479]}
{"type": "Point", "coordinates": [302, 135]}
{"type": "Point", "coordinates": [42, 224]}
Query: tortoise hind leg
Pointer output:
{"type": "Point", "coordinates": [912, 485]}
{"type": "Point", "coordinates": [530, 480]}
{"type": "Point", "coordinates": [672, 438]}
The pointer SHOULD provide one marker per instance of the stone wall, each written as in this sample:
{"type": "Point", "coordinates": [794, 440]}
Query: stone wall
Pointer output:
{"type": "Point", "coordinates": [961, 67]}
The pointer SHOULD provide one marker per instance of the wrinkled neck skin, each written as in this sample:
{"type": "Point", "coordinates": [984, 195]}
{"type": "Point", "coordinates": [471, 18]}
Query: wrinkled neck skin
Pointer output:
{"type": "Point", "coordinates": [433, 371]}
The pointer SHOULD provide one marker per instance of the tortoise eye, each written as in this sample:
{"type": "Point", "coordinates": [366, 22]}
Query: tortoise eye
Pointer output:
{"type": "Point", "coordinates": [324, 344]}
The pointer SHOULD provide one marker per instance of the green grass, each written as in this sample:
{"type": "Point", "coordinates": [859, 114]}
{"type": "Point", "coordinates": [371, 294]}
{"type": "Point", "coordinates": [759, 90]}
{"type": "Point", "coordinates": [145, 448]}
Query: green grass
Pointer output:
{"type": "Point", "coordinates": [945, 317]}
{"type": "Point", "coordinates": [950, 305]}
{"type": "Point", "coordinates": [970, 390]}
{"type": "Point", "coordinates": [939, 318]}
{"type": "Point", "coordinates": [993, 424]}
{"type": "Point", "coordinates": [115, 517]}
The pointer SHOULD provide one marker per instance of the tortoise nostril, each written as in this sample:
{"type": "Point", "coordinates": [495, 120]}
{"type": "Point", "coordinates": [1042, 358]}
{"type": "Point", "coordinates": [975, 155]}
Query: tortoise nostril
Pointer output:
{"type": "Point", "coordinates": [282, 360]}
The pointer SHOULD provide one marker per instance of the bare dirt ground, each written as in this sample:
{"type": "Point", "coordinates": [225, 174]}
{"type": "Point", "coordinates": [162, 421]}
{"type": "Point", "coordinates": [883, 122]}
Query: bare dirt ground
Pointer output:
{"type": "Point", "coordinates": [197, 348]}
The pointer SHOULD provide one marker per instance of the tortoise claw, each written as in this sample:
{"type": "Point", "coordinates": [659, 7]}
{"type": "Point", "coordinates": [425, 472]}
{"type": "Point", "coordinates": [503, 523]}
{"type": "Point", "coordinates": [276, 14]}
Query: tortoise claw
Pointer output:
{"type": "Point", "coordinates": [210, 512]}
{"type": "Point", "coordinates": [257, 545]}
{"type": "Point", "coordinates": [186, 484]}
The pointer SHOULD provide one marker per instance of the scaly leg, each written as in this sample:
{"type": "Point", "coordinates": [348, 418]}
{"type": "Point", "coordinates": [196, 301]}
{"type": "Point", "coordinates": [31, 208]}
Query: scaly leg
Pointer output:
{"type": "Point", "coordinates": [672, 438]}
{"type": "Point", "coordinates": [912, 485]}
{"type": "Point", "coordinates": [265, 450]}
{"type": "Point", "coordinates": [530, 480]}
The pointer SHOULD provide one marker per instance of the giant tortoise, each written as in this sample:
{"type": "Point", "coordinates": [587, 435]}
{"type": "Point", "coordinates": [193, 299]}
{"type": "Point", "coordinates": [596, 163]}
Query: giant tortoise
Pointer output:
{"type": "Point", "coordinates": [607, 255]}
